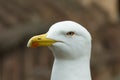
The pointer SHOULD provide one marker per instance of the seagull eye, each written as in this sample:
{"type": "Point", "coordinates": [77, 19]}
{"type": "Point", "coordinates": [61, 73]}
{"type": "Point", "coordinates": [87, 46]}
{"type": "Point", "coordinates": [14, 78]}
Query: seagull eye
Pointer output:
{"type": "Point", "coordinates": [70, 33]}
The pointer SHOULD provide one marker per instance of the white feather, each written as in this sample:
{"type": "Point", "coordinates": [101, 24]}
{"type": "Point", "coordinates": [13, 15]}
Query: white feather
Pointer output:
{"type": "Point", "coordinates": [72, 52]}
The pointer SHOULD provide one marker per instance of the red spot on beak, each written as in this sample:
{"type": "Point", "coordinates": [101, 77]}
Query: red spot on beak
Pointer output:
{"type": "Point", "coordinates": [35, 44]}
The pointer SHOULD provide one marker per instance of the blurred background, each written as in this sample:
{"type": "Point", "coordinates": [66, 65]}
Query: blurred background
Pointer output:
{"type": "Point", "coordinates": [22, 19]}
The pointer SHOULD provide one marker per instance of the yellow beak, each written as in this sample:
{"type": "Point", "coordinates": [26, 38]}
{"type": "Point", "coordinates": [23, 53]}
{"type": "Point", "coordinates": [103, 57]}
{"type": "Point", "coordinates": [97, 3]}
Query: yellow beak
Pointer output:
{"type": "Point", "coordinates": [40, 40]}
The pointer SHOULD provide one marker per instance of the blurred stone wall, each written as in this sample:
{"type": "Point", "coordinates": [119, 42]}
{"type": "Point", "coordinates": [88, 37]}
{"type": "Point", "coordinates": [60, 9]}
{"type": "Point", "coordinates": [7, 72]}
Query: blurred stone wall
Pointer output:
{"type": "Point", "coordinates": [22, 19]}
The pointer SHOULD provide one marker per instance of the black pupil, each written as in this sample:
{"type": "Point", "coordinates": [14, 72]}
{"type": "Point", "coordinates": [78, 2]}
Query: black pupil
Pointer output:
{"type": "Point", "coordinates": [70, 33]}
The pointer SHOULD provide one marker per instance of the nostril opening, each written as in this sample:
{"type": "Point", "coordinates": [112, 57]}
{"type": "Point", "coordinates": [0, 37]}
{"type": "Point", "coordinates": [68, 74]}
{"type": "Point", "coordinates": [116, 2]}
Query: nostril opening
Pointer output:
{"type": "Point", "coordinates": [39, 38]}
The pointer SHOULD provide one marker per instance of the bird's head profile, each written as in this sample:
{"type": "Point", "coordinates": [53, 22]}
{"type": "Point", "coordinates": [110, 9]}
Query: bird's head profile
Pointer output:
{"type": "Point", "coordinates": [64, 37]}
{"type": "Point", "coordinates": [71, 46]}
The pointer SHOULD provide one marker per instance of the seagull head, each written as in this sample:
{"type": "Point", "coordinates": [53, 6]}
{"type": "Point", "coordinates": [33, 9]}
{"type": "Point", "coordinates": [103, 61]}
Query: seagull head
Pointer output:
{"type": "Point", "coordinates": [66, 39]}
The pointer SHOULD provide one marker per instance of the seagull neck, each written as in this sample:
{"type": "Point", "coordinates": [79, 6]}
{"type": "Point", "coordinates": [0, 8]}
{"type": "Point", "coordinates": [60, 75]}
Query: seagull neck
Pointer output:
{"type": "Point", "coordinates": [78, 69]}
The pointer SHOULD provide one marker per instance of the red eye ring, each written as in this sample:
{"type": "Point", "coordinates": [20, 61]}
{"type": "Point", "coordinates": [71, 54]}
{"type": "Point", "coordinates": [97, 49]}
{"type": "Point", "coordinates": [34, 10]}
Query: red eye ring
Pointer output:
{"type": "Point", "coordinates": [70, 33]}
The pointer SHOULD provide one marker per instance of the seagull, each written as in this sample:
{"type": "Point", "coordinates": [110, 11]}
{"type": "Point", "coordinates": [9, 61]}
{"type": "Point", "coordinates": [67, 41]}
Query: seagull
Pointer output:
{"type": "Point", "coordinates": [70, 44]}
